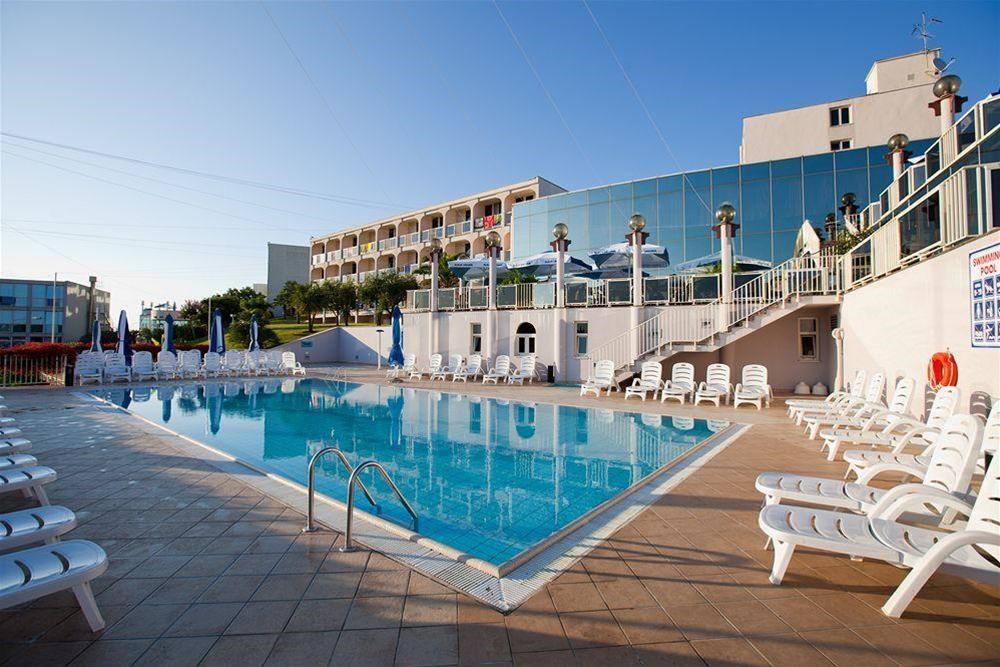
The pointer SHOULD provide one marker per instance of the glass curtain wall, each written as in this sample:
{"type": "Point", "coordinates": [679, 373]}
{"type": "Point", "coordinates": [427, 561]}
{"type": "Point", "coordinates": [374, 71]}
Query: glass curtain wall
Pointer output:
{"type": "Point", "coordinates": [771, 198]}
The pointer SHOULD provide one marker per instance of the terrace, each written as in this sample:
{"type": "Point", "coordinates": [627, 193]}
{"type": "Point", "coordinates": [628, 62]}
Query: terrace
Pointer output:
{"type": "Point", "coordinates": [208, 566]}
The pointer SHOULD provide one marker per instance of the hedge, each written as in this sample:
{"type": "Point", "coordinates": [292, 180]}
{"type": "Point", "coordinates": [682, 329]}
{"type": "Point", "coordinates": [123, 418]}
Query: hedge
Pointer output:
{"type": "Point", "coordinates": [45, 350]}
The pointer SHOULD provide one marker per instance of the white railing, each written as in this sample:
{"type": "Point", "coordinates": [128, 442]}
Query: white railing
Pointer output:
{"type": "Point", "coordinates": [696, 324]}
{"type": "Point", "coordinates": [317, 260]}
{"type": "Point", "coordinates": [18, 369]}
{"type": "Point", "coordinates": [350, 252]}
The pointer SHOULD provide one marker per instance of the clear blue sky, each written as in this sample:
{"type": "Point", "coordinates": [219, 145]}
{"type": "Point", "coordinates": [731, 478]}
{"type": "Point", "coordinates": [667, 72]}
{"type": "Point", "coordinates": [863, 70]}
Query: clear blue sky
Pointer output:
{"type": "Point", "coordinates": [427, 101]}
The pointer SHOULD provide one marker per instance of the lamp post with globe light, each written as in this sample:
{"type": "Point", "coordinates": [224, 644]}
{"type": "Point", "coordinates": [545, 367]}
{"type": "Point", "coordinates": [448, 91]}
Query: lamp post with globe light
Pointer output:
{"type": "Point", "coordinates": [636, 239]}
{"type": "Point", "coordinates": [561, 244]}
{"type": "Point", "coordinates": [435, 259]}
{"type": "Point", "coordinates": [493, 249]}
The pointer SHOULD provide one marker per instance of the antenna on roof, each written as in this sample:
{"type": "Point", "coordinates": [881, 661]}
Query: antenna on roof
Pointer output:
{"type": "Point", "coordinates": [922, 30]}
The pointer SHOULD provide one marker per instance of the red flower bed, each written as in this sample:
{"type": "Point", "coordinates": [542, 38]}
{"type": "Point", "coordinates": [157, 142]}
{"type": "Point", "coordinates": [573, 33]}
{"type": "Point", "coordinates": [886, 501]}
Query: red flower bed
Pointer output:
{"type": "Point", "coordinates": [46, 350]}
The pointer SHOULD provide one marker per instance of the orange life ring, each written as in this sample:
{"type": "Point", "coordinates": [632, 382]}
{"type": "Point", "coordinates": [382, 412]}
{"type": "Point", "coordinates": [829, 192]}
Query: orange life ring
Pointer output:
{"type": "Point", "coordinates": [942, 370]}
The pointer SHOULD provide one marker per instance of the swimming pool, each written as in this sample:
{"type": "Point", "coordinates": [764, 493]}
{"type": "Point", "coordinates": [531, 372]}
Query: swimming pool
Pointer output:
{"type": "Point", "coordinates": [488, 477]}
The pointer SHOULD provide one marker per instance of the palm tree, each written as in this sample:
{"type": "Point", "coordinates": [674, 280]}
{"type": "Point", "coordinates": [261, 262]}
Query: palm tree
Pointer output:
{"type": "Point", "coordinates": [446, 277]}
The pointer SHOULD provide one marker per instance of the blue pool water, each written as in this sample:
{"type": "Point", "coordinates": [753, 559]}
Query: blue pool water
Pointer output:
{"type": "Point", "coordinates": [488, 477]}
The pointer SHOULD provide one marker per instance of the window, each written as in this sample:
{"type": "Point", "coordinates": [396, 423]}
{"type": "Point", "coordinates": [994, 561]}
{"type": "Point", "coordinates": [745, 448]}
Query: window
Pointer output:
{"type": "Point", "coordinates": [808, 339]}
{"type": "Point", "coordinates": [524, 339]}
{"type": "Point", "coordinates": [840, 145]}
{"type": "Point", "coordinates": [840, 116]}
{"type": "Point", "coordinates": [518, 200]}
{"type": "Point", "coordinates": [477, 338]}
{"type": "Point", "coordinates": [580, 342]}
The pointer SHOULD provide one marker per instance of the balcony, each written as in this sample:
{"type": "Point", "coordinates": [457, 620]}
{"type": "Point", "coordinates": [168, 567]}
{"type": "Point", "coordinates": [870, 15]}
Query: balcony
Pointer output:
{"type": "Point", "coordinates": [350, 252]}
{"type": "Point", "coordinates": [317, 259]}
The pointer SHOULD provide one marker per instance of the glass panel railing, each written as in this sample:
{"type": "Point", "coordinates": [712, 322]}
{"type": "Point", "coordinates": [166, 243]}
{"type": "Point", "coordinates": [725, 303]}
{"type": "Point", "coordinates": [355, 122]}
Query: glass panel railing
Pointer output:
{"type": "Point", "coordinates": [438, 232]}
{"type": "Point", "coordinates": [861, 262]}
{"type": "Point", "coordinates": [450, 230]}
{"type": "Point", "coordinates": [425, 235]}
{"type": "Point", "coordinates": [390, 244]}
{"type": "Point", "coordinates": [966, 130]}
{"type": "Point", "coordinates": [545, 295]}
{"type": "Point", "coordinates": [507, 296]}
{"type": "Point", "coordinates": [991, 115]}
{"type": "Point", "coordinates": [478, 297]}
{"type": "Point", "coordinates": [421, 300]}
{"type": "Point", "coordinates": [705, 288]}
{"type": "Point", "coordinates": [446, 299]}
{"type": "Point", "coordinates": [619, 292]}
{"type": "Point", "coordinates": [920, 227]}
{"type": "Point", "coordinates": [657, 290]}
{"type": "Point", "coordinates": [576, 294]}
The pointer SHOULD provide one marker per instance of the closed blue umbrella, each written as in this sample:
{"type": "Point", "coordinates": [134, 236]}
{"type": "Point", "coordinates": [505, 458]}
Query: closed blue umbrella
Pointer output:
{"type": "Point", "coordinates": [95, 337]}
{"type": "Point", "coordinates": [396, 353]}
{"type": "Point", "coordinates": [168, 334]}
{"type": "Point", "coordinates": [124, 346]}
{"type": "Point", "coordinates": [216, 337]}
{"type": "Point", "coordinates": [254, 334]}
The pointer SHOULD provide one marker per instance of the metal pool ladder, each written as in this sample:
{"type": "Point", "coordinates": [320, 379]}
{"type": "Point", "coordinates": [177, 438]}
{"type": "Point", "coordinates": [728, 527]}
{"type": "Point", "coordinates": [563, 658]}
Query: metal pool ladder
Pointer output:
{"type": "Point", "coordinates": [310, 526]}
{"type": "Point", "coordinates": [371, 463]}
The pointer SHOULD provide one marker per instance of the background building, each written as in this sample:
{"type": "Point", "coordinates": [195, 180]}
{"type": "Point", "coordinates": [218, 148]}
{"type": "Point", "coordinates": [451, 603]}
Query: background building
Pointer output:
{"type": "Point", "coordinates": [152, 317]}
{"type": "Point", "coordinates": [284, 263]}
{"type": "Point", "coordinates": [897, 91]}
{"type": "Point", "coordinates": [29, 309]}
{"type": "Point", "coordinates": [400, 243]}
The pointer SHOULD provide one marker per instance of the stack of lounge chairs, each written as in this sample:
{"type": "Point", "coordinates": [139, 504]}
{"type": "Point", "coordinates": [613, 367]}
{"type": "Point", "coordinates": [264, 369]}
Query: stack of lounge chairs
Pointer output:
{"type": "Point", "coordinates": [460, 369]}
{"type": "Point", "coordinates": [36, 562]}
{"type": "Point", "coordinates": [110, 367]}
{"type": "Point", "coordinates": [931, 520]}
{"type": "Point", "coordinates": [753, 388]}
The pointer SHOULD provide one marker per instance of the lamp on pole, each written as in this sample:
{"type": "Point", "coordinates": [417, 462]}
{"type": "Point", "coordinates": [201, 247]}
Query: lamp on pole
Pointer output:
{"type": "Point", "coordinates": [493, 249]}
{"type": "Point", "coordinates": [897, 153]}
{"type": "Point", "coordinates": [435, 258]}
{"type": "Point", "coordinates": [948, 101]}
{"type": "Point", "coordinates": [560, 245]}
{"type": "Point", "coordinates": [636, 238]}
{"type": "Point", "coordinates": [725, 231]}
{"type": "Point", "coordinates": [378, 351]}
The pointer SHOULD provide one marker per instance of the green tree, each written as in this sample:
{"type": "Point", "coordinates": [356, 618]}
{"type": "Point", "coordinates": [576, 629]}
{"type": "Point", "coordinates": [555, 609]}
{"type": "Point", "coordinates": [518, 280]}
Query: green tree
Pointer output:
{"type": "Point", "coordinates": [341, 298]}
{"type": "Point", "coordinates": [446, 277]}
{"type": "Point", "coordinates": [309, 299]}
{"type": "Point", "coordinates": [286, 299]}
{"type": "Point", "coordinates": [516, 277]}
{"type": "Point", "coordinates": [385, 290]}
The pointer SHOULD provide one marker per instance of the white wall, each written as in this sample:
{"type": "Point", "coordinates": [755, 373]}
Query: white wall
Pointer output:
{"type": "Point", "coordinates": [807, 130]}
{"type": "Point", "coordinates": [341, 344]}
{"type": "Point", "coordinates": [897, 323]}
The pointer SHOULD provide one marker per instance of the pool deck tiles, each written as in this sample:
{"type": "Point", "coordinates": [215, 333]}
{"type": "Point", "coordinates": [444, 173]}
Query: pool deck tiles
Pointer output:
{"type": "Point", "coordinates": [206, 569]}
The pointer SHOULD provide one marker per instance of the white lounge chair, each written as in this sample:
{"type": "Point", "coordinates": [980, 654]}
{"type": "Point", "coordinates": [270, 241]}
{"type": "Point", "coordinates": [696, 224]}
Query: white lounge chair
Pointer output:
{"type": "Point", "coordinates": [454, 365]}
{"type": "Point", "coordinates": [234, 363]}
{"type": "Point", "coordinates": [898, 432]}
{"type": "Point", "coordinates": [166, 365]}
{"type": "Point", "coordinates": [89, 369]}
{"type": "Point", "coordinates": [603, 378]}
{"type": "Point", "coordinates": [972, 551]}
{"type": "Point", "coordinates": [33, 573]}
{"type": "Point", "coordinates": [255, 363]}
{"type": "Point", "coordinates": [754, 389]}
{"type": "Point", "coordinates": [12, 445]}
{"type": "Point", "coordinates": [500, 370]}
{"type": "Point", "coordinates": [211, 366]}
{"type": "Point", "coordinates": [873, 394]}
{"type": "Point", "coordinates": [433, 366]}
{"type": "Point", "coordinates": [190, 364]}
{"type": "Point", "coordinates": [291, 365]}
{"type": "Point", "coordinates": [142, 366]}
{"type": "Point", "coordinates": [13, 460]}
{"type": "Point", "coordinates": [473, 368]}
{"type": "Point", "coordinates": [868, 417]}
{"type": "Point", "coordinates": [37, 524]}
{"type": "Point", "coordinates": [681, 383]}
{"type": "Point", "coordinates": [526, 371]}
{"type": "Point", "coordinates": [275, 362]}
{"type": "Point", "coordinates": [650, 380]}
{"type": "Point", "coordinates": [855, 388]}
{"type": "Point", "coordinates": [951, 469]}
{"type": "Point", "coordinates": [29, 481]}
{"type": "Point", "coordinates": [854, 412]}
{"type": "Point", "coordinates": [717, 385]}
{"type": "Point", "coordinates": [115, 368]}
{"type": "Point", "coordinates": [409, 365]}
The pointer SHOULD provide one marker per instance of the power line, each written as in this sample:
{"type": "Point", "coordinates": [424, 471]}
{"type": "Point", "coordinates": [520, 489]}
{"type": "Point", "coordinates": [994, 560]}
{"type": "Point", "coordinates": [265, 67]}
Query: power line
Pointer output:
{"type": "Point", "coordinates": [173, 185]}
{"type": "Point", "coordinates": [340, 199]}
{"type": "Point", "coordinates": [131, 242]}
{"type": "Point", "coordinates": [135, 189]}
{"type": "Point", "coordinates": [322, 97]}
{"type": "Point", "coordinates": [642, 104]}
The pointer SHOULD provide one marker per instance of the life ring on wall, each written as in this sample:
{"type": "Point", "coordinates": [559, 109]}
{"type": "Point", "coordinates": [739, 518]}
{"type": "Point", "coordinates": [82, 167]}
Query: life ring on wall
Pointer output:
{"type": "Point", "coordinates": [942, 370]}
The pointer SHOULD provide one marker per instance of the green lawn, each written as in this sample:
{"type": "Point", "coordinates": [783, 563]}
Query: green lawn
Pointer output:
{"type": "Point", "coordinates": [288, 330]}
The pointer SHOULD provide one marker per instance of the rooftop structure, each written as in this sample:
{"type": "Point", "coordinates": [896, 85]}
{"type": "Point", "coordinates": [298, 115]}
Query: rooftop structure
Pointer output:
{"type": "Point", "coordinates": [284, 263]}
{"type": "Point", "coordinates": [896, 93]}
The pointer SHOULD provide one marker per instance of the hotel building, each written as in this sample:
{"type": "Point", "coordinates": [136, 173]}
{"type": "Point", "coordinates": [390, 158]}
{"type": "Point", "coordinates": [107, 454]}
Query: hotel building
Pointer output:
{"type": "Point", "coordinates": [401, 242]}
{"type": "Point", "coordinates": [30, 309]}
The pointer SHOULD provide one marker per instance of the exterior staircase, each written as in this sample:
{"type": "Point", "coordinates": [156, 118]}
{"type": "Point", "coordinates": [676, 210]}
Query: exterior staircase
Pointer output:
{"type": "Point", "coordinates": [793, 284]}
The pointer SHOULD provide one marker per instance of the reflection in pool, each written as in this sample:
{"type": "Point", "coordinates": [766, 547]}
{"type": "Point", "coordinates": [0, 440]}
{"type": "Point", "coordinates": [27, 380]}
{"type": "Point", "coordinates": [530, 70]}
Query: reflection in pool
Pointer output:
{"type": "Point", "coordinates": [488, 477]}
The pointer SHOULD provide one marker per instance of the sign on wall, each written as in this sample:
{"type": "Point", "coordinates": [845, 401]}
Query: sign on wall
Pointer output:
{"type": "Point", "coordinates": [984, 277]}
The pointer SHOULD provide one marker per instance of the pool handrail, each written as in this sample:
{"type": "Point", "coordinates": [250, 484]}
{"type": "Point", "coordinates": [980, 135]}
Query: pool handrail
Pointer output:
{"type": "Point", "coordinates": [348, 546]}
{"type": "Point", "coordinates": [310, 526]}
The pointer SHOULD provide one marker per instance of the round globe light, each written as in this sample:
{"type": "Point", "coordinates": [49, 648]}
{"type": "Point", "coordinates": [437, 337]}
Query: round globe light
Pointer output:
{"type": "Point", "coordinates": [898, 141]}
{"type": "Point", "coordinates": [435, 243]}
{"type": "Point", "coordinates": [726, 213]}
{"type": "Point", "coordinates": [947, 85]}
{"type": "Point", "coordinates": [560, 231]}
{"type": "Point", "coordinates": [493, 239]}
{"type": "Point", "coordinates": [848, 199]}
{"type": "Point", "coordinates": [637, 222]}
